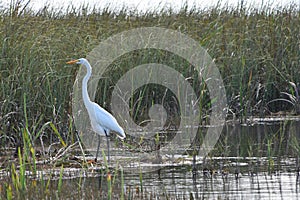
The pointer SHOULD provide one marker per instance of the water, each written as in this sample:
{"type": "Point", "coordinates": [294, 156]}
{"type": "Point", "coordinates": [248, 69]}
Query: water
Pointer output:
{"type": "Point", "coordinates": [255, 160]}
{"type": "Point", "coordinates": [180, 182]}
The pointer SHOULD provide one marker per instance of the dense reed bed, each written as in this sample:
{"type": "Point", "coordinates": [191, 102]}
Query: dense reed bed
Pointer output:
{"type": "Point", "coordinates": [256, 50]}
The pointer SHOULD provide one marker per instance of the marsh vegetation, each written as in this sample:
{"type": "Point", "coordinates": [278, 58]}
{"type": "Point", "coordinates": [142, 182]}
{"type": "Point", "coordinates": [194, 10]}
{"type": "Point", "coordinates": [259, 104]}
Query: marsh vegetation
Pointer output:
{"type": "Point", "coordinates": [257, 52]}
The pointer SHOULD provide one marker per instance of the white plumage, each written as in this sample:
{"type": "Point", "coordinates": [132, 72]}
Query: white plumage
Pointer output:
{"type": "Point", "coordinates": [102, 122]}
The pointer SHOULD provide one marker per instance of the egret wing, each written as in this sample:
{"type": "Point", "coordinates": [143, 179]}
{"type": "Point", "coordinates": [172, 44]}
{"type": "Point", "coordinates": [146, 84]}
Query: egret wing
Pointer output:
{"type": "Point", "coordinates": [106, 120]}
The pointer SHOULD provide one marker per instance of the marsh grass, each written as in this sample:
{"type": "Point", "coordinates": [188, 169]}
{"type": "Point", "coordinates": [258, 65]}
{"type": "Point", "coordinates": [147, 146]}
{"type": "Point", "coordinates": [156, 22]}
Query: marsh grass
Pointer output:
{"type": "Point", "coordinates": [256, 50]}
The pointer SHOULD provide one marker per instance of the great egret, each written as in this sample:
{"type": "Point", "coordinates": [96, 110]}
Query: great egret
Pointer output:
{"type": "Point", "coordinates": [102, 121]}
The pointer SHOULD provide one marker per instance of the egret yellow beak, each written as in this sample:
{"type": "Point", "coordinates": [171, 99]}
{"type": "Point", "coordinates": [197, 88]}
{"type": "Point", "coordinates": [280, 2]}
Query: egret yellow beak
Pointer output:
{"type": "Point", "coordinates": [72, 62]}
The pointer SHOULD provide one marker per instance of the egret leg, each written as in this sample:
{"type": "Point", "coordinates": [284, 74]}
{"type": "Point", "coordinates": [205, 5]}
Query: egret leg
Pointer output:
{"type": "Point", "coordinates": [98, 148]}
{"type": "Point", "coordinates": [108, 155]}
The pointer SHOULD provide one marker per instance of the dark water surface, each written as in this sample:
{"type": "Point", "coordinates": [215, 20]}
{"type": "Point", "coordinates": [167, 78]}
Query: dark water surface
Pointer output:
{"type": "Point", "coordinates": [254, 160]}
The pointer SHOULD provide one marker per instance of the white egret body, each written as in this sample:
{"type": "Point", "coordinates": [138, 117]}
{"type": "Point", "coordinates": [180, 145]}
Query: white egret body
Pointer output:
{"type": "Point", "coordinates": [102, 122]}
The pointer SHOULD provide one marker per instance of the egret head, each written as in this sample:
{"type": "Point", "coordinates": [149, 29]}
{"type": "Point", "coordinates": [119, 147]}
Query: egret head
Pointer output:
{"type": "Point", "coordinates": [77, 61]}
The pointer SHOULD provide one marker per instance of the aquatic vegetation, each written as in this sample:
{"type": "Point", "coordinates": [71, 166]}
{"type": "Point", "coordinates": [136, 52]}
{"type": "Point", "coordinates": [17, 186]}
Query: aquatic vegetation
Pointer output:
{"type": "Point", "coordinates": [256, 50]}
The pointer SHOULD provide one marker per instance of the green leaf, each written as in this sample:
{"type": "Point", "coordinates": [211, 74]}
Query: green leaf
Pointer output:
{"type": "Point", "coordinates": [58, 135]}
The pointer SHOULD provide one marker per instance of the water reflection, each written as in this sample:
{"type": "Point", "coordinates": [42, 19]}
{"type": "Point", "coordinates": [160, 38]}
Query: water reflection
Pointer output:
{"type": "Point", "coordinates": [255, 161]}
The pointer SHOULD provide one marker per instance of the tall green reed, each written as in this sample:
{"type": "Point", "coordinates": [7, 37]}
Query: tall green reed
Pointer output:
{"type": "Point", "coordinates": [256, 52]}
